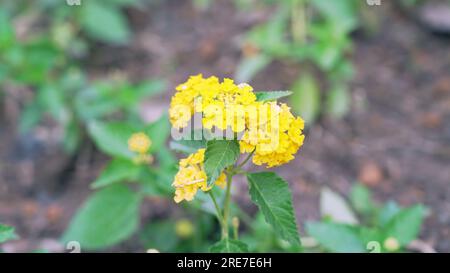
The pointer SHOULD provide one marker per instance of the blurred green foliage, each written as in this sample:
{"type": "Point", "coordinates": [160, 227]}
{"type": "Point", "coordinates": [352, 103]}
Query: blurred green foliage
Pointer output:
{"type": "Point", "coordinates": [377, 227]}
{"type": "Point", "coordinates": [7, 233]}
{"type": "Point", "coordinates": [315, 34]}
{"type": "Point", "coordinates": [43, 63]}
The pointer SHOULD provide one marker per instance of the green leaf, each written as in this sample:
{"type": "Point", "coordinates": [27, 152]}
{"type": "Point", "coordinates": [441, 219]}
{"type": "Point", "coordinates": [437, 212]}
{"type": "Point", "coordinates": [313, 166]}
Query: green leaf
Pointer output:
{"type": "Point", "coordinates": [157, 181]}
{"type": "Point", "coordinates": [151, 88]}
{"type": "Point", "coordinates": [7, 36]}
{"type": "Point", "coordinates": [405, 225]}
{"type": "Point", "coordinates": [368, 235]}
{"type": "Point", "coordinates": [336, 237]}
{"type": "Point", "coordinates": [273, 197]}
{"type": "Point", "coordinates": [271, 95]}
{"type": "Point", "coordinates": [187, 146]}
{"type": "Point", "coordinates": [341, 13]}
{"type": "Point", "coordinates": [112, 138]}
{"type": "Point", "coordinates": [219, 154]}
{"type": "Point", "coordinates": [250, 66]}
{"type": "Point", "coordinates": [108, 217]}
{"type": "Point", "coordinates": [229, 246]}
{"type": "Point", "coordinates": [338, 102]}
{"type": "Point", "coordinates": [116, 171]}
{"type": "Point", "coordinates": [387, 212]}
{"type": "Point", "coordinates": [7, 233]}
{"type": "Point", "coordinates": [104, 22]}
{"type": "Point", "coordinates": [158, 132]}
{"type": "Point", "coordinates": [53, 101]}
{"type": "Point", "coordinates": [361, 199]}
{"type": "Point", "coordinates": [306, 98]}
{"type": "Point", "coordinates": [333, 206]}
{"type": "Point", "coordinates": [72, 136]}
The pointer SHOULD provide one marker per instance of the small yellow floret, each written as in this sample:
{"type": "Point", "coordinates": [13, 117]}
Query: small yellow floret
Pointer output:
{"type": "Point", "coordinates": [139, 143]}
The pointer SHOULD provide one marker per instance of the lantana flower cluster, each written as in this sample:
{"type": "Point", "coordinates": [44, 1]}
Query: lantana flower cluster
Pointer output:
{"type": "Point", "coordinates": [140, 144]}
{"type": "Point", "coordinates": [191, 177]}
{"type": "Point", "coordinates": [265, 128]}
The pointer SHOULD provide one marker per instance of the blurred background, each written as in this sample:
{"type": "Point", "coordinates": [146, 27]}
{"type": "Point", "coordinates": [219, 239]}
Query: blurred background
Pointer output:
{"type": "Point", "coordinates": [372, 82]}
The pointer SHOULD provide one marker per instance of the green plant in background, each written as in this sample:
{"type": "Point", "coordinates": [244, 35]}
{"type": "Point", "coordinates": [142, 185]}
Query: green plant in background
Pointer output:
{"type": "Point", "coordinates": [7, 233]}
{"type": "Point", "coordinates": [62, 90]}
{"type": "Point", "coordinates": [102, 20]}
{"type": "Point", "coordinates": [373, 228]}
{"type": "Point", "coordinates": [141, 166]}
{"type": "Point", "coordinates": [309, 32]}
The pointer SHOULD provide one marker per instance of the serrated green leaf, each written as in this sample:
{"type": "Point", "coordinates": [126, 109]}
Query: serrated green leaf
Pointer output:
{"type": "Point", "coordinates": [271, 95]}
{"type": "Point", "coordinates": [108, 217]}
{"type": "Point", "coordinates": [229, 246]}
{"type": "Point", "coordinates": [405, 225]}
{"type": "Point", "coordinates": [305, 99]}
{"type": "Point", "coordinates": [336, 237]}
{"type": "Point", "coordinates": [116, 171]}
{"type": "Point", "coordinates": [112, 138]}
{"type": "Point", "coordinates": [219, 154]}
{"type": "Point", "coordinates": [7, 233]}
{"type": "Point", "coordinates": [273, 197]}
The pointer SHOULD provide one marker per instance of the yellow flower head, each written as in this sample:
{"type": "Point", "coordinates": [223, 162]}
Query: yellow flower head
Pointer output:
{"type": "Point", "coordinates": [274, 134]}
{"type": "Point", "coordinates": [184, 228]}
{"type": "Point", "coordinates": [268, 129]}
{"type": "Point", "coordinates": [191, 177]}
{"type": "Point", "coordinates": [222, 104]}
{"type": "Point", "coordinates": [139, 143]}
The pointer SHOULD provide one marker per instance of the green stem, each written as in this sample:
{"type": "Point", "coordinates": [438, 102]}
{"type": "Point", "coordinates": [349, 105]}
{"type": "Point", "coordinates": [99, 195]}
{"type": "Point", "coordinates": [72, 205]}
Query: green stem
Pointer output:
{"type": "Point", "coordinates": [226, 206]}
{"type": "Point", "coordinates": [218, 211]}
{"type": "Point", "coordinates": [235, 233]}
{"type": "Point", "coordinates": [298, 21]}
{"type": "Point", "coordinates": [246, 159]}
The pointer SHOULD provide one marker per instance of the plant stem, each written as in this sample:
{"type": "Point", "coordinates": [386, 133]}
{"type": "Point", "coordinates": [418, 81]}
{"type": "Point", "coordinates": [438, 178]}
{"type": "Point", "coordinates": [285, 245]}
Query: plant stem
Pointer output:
{"type": "Point", "coordinates": [226, 206]}
{"type": "Point", "coordinates": [298, 21]}
{"type": "Point", "coordinates": [246, 159]}
{"type": "Point", "coordinates": [218, 211]}
{"type": "Point", "coordinates": [235, 233]}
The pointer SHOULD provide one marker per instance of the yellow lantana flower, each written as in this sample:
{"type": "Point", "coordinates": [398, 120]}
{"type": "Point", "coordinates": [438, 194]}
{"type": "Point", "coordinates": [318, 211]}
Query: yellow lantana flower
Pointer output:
{"type": "Point", "coordinates": [215, 100]}
{"type": "Point", "coordinates": [267, 129]}
{"type": "Point", "coordinates": [140, 143]}
{"type": "Point", "coordinates": [191, 177]}
{"type": "Point", "coordinates": [275, 136]}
